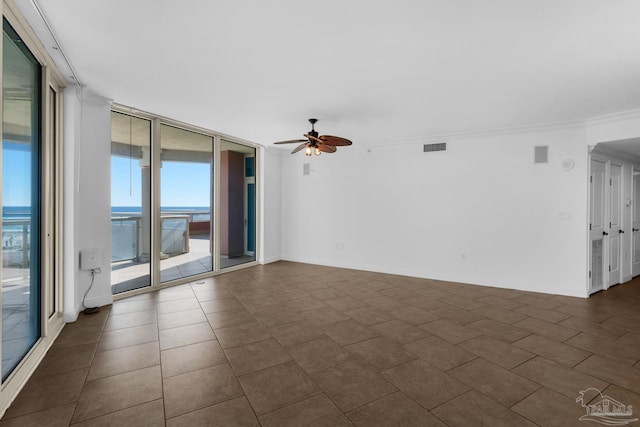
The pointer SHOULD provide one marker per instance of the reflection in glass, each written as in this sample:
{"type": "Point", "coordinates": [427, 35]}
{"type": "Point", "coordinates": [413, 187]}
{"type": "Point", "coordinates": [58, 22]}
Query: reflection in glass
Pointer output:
{"type": "Point", "coordinates": [130, 203]}
{"type": "Point", "coordinates": [21, 198]}
{"type": "Point", "coordinates": [237, 204]}
{"type": "Point", "coordinates": [186, 182]}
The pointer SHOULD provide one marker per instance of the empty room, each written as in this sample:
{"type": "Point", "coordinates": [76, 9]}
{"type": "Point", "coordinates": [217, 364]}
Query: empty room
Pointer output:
{"type": "Point", "coordinates": [288, 213]}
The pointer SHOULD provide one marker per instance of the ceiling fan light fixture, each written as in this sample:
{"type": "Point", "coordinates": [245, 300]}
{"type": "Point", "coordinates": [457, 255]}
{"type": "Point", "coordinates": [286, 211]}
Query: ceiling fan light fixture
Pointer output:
{"type": "Point", "coordinates": [316, 143]}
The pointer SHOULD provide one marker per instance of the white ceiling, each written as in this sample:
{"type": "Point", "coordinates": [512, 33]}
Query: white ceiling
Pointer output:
{"type": "Point", "coordinates": [373, 71]}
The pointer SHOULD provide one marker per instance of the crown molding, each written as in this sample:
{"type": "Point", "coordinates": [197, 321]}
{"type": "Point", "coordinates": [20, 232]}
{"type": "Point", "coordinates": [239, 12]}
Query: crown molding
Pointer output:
{"type": "Point", "coordinates": [539, 127]}
{"type": "Point", "coordinates": [614, 117]}
{"type": "Point", "coordinates": [483, 133]}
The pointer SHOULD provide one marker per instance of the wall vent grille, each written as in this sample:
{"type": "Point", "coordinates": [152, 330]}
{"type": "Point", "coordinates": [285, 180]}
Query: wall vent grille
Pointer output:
{"type": "Point", "coordinates": [441, 146]}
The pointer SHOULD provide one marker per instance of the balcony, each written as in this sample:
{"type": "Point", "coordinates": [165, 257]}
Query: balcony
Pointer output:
{"type": "Point", "coordinates": [16, 289]}
{"type": "Point", "coordinates": [186, 249]}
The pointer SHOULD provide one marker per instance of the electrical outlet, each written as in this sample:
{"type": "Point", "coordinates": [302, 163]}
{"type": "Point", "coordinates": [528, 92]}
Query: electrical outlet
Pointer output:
{"type": "Point", "coordinates": [90, 259]}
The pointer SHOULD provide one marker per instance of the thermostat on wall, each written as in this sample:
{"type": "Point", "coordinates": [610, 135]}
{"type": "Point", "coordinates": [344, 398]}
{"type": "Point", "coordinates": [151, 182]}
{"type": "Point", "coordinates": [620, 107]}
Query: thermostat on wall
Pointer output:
{"type": "Point", "coordinates": [90, 259]}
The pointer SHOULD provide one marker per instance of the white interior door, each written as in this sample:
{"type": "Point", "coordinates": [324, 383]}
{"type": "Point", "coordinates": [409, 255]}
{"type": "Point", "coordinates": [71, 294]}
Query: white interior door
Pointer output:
{"type": "Point", "coordinates": [597, 225]}
{"type": "Point", "coordinates": [615, 223]}
{"type": "Point", "coordinates": [635, 266]}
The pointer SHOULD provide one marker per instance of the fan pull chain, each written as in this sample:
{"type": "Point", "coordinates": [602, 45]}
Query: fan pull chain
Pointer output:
{"type": "Point", "coordinates": [130, 157]}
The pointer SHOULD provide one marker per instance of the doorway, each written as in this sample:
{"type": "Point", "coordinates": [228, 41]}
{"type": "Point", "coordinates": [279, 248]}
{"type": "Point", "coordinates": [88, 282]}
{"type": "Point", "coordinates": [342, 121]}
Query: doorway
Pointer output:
{"type": "Point", "coordinates": [614, 214]}
{"type": "Point", "coordinates": [635, 226]}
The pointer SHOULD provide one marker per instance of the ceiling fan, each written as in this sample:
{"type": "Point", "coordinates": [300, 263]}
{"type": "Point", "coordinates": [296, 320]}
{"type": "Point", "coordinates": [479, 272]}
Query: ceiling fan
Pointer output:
{"type": "Point", "coordinates": [317, 144]}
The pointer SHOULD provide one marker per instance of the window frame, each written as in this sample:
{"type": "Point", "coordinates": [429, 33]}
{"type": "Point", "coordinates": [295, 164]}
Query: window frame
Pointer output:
{"type": "Point", "coordinates": [51, 199]}
{"type": "Point", "coordinates": [156, 122]}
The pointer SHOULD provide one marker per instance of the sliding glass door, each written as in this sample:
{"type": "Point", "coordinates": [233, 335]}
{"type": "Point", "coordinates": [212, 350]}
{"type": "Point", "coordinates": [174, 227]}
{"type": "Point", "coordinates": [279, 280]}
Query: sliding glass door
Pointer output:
{"type": "Point", "coordinates": [130, 202]}
{"type": "Point", "coordinates": [21, 160]}
{"type": "Point", "coordinates": [237, 204]}
{"type": "Point", "coordinates": [186, 201]}
{"type": "Point", "coordinates": [30, 273]}
{"type": "Point", "coordinates": [168, 224]}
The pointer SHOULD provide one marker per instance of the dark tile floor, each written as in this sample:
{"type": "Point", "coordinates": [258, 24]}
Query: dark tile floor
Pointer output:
{"type": "Point", "coordinates": [292, 344]}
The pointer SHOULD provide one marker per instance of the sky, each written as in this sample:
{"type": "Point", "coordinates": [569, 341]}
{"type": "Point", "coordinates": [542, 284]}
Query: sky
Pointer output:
{"type": "Point", "coordinates": [16, 174]}
{"type": "Point", "coordinates": [182, 184]}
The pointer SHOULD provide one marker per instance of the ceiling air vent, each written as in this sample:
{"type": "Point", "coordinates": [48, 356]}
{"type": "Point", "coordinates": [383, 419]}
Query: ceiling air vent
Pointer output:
{"type": "Point", "coordinates": [441, 146]}
{"type": "Point", "coordinates": [541, 154]}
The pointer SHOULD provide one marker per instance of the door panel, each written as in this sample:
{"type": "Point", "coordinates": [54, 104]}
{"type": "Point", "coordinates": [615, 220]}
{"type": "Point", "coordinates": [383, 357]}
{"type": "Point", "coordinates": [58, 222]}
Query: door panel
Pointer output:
{"type": "Point", "coordinates": [615, 223]}
{"type": "Point", "coordinates": [250, 205]}
{"type": "Point", "coordinates": [635, 270]}
{"type": "Point", "coordinates": [597, 226]}
{"type": "Point", "coordinates": [130, 203]}
{"type": "Point", "coordinates": [251, 220]}
{"type": "Point", "coordinates": [21, 201]}
{"type": "Point", "coordinates": [186, 193]}
{"type": "Point", "coordinates": [236, 199]}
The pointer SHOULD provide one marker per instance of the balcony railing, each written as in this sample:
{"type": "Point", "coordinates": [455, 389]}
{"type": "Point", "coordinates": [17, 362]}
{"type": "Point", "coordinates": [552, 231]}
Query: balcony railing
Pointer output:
{"type": "Point", "coordinates": [126, 236]}
{"type": "Point", "coordinates": [15, 242]}
{"type": "Point", "coordinates": [127, 233]}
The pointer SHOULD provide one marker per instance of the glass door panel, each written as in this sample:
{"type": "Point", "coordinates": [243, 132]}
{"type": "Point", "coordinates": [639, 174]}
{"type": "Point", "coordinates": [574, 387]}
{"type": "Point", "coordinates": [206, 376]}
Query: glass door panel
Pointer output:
{"type": "Point", "coordinates": [21, 200]}
{"type": "Point", "coordinates": [130, 203]}
{"type": "Point", "coordinates": [237, 204]}
{"type": "Point", "coordinates": [186, 183]}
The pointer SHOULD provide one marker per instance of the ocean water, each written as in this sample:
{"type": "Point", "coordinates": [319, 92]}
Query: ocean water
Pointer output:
{"type": "Point", "coordinates": [16, 212]}
{"type": "Point", "coordinates": [127, 209]}
{"type": "Point", "coordinates": [201, 212]}
{"type": "Point", "coordinates": [24, 212]}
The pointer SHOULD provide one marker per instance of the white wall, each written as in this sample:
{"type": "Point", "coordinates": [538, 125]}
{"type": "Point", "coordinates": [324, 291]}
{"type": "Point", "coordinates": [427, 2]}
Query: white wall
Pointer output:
{"type": "Point", "coordinates": [87, 200]}
{"type": "Point", "coordinates": [271, 185]}
{"type": "Point", "coordinates": [482, 212]}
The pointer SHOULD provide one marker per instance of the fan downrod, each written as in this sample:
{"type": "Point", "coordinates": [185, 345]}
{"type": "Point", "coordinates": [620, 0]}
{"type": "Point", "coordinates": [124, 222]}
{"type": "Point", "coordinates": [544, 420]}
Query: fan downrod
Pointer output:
{"type": "Point", "coordinates": [313, 131]}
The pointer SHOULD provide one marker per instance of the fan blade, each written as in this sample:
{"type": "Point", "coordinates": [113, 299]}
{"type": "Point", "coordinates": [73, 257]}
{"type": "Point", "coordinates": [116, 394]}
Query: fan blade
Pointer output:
{"type": "Point", "coordinates": [335, 140]}
{"type": "Point", "coordinates": [299, 147]}
{"type": "Point", "coordinates": [314, 139]}
{"type": "Point", "coordinates": [291, 141]}
{"type": "Point", "coordinates": [327, 148]}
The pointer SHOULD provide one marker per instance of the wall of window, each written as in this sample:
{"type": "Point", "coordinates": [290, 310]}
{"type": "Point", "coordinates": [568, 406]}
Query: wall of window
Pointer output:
{"type": "Point", "coordinates": [183, 202]}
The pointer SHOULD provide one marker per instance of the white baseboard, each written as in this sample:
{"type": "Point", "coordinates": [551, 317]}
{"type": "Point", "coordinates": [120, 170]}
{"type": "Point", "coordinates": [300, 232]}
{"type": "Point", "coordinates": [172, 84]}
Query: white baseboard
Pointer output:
{"type": "Point", "coordinates": [70, 316]}
{"type": "Point", "coordinates": [98, 301]}
{"type": "Point", "coordinates": [421, 274]}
